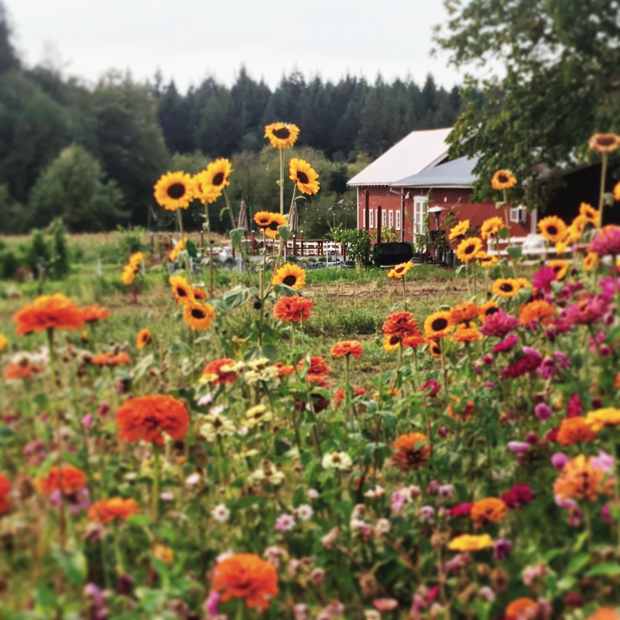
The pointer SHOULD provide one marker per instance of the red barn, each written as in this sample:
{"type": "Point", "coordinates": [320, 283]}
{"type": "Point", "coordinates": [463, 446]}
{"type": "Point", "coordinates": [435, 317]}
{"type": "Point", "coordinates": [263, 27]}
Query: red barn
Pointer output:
{"type": "Point", "coordinates": [415, 174]}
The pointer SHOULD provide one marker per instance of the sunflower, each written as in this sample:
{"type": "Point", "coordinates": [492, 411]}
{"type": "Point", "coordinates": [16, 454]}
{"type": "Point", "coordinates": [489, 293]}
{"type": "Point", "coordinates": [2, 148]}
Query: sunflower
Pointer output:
{"type": "Point", "coordinates": [276, 220]}
{"type": "Point", "coordinates": [459, 230]}
{"type": "Point", "coordinates": [434, 348]}
{"type": "Point", "coordinates": [181, 288]}
{"type": "Point", "coordinates": [486, 261]}
{"type": "Point", "coordinates": [538, 310]}
{"type": "Point", "coordinates": [198, 315]}
{"type": "Point", "coordinates": [281, 135]}
{"type": "Point", "coordinates": [604, 142]}
{"type": "Point", "coordinates": [468, 248]}
{"type": "Point", "coordinates": [617, 192]}
{"type": "Point", "coordinates": [143, 338]}
{"type": "Point", "coordinates": [464, 333]}
{"type": "Point", "coordinates": [560, 267]}
{"type": "Point", "coordinates": [304, 175]}
{"type": "Point", "coordinates": [391, 343]}
{"type": "Point", "coordinates": [591, 261]}
{"type": "Point", "coordinates": [199, 294]}
{"type": "Point", "coordinates": [48, 312]}
{"type": "Point", "coordinates": [438, 325]}
{"type": "Point", "coordinates": [588, 215]}
{"type": "Point", "coordinates": [506, 287]}
{"type": "Point", "coordinates": [464, 313]}
{"type": "Point", "coordinates": [214, 179]}
{"type": "Point", "coordinates": [146, 418]}
{"type": "Point", "coordinates": [262, 219]}
{"type": "Point", "coordinates": [175, 190]}
{"type": "Point", "coordinates": [553, 228]}
{"type": "Point", "coordinates": [491, 227]}
{"type": "Point", "coordinates": [399, 272]}
{"type": "Point", "coordinates": [503, 179]}
{"type": "Point", "coordinates": [176, 250]}
{"type": "Point", "coordinates": [291, 275]}
{"type": "Point", "coordinates": [487, 309]}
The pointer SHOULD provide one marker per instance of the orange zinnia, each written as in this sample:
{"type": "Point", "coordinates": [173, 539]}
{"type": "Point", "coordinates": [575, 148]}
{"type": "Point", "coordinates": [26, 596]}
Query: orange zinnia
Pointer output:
{"type": "Point", "coordinates": [575, 430]}
{"type": "Point", "coordinates": [539, 310]}
{"type": "Point", "coordinates": [464, 415]}
{"type": "Point", "coordinates": [147, 417]}
{"type": "Point", "coordinates": [94, 313]}
{"type": "Point", "coordinates": [5, 489]}
{"type": "Point", "coordinates": [347, 347]}
{"type": "Point", "coordinates": [246, 576]}
{"type": "Point", "coordinates": [604, 613]}
{"type": "Point", "coordinates": [464, 313]}
{"type": "Point", "coordinates": [107, 510]}
{"type": "Point", "coordinates": [400, 324]}
{"type": "Point", "coordinates": [48, 312]}
{"type": "Point", "coordinates": [581, 479]}
{"type": "Point", "coordinates": [521, 609]}
{"type": "Point", "coordinates": [318, 366]}
{"type": "Point", "coordinates": [292, 309]}
{"type": "Point", "coordinates": [408, 454]}
{"type": "Point", "coordinates": [23, 369]}
{"type": "Point", "coordinates": [488, 510]}
{"type": "Point", "coordinates": [213, 373]}
{"type": "Point", "coordinates": [66, 478]}
{"type": "Point", "coordinates": [110, 359]}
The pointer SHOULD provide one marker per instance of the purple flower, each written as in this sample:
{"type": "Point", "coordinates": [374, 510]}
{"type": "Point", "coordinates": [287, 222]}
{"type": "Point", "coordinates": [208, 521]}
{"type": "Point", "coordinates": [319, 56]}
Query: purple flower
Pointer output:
{"type": "Point", "coordinates": [608, 288]}
{"type": "Point", "coordinates": [75, 502]}
{"type": "Point", "coordinates": [103, 410]}
{"type": "Point", "coordinates": [559, 460]}
{"type": "Point", "coordinates": [426, 514]}
{"type": "Point", "coordinates": [211, 604]}
{"type": "Point", "coordinates": [588, 310]}
{"type": "Point", "coordinates": [446, 491]}
{"type": "Point", "coordinates": [433, 487]}
{"type": "Point", "coordinates": [548, 368]}
{"type": "Point", "coordinates": [398, 501]}
{"type": "Point", "coordinates": [285, 522]}
{"type": "Point", "coordinates": [477, 368]}
{"type": "Point", "coordinates": [505, 345]}
{"type": "Point", "coordinates": [562, 359]}
{"type": "Point", "coordinates": [606, 512]}
{"type": "Point", "coordinates": [432, 386]}
{"type": "Point", "coordinates": [489, 384]}
{"type": "Point", "coordinates": [499, 324]}
{"type": "Point", "coordinates": [87, 420]}
{"type": "Point", "coordinates": [574, 406]}
{"type": "Point", "coordinates": [532, 438]}
{"type": "Point", "coordinates": [442, 432]}
{"type": "Point", "coordinates": [604, 461]}
{"type": "Point", "coordinates": [543, 278]}
{"type": "Point", "coordinates": [501, 549]}
{"type": "Point", "coordinates": [542, 411]}
{"type": "Point", "coordinates": [488, 359]}
{"type": "Point", "coordinates": [518, 446]}
{"type": "Point", "coordinates": [520, 495]}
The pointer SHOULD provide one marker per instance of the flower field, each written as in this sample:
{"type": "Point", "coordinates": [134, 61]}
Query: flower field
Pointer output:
{"type": "Point", "coordinates": [206, 452]}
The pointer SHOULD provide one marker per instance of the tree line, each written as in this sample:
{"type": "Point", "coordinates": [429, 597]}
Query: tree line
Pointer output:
{"type": "Point", "coordinates": [90, 155]}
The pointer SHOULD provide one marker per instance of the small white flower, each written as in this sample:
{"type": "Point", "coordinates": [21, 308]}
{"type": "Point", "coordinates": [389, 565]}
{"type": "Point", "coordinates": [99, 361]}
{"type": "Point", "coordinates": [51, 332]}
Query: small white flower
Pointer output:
{"type": "Point", "coordinates": [313, 494]}
{"type": "Point", "coordinates": [337, 460]}
{"type": "Point", "coordinates": [304, 512]}
{"type": "Point", "coordinates": [371, 614]}
{"type": "Point", "coordinates": [216, 410]}
{"type": "Point", "coordinates": [383, 526]}
{"type": "Point", "coordinates": [192, 479]}
{"type": "Point", "coordinates": [131, 475]}
{"type": "Point", "coordinates": [220, 513]}
{"type": "Point", "coordinates": [375, 493]}
{"type": "Point", "coordinates": [205, 400]}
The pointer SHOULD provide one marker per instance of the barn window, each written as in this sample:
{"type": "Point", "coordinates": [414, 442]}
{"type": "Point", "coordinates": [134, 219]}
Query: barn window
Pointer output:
{"type": "Point", "coordinates": [518, 215]}
{"type": "Point", "coordinates": [371, 224]}
{"type": "Point", "coordinates": [383, 215]}
{"type": "Point", "coordinates": [363, 218]}
{"type": "Point", "coordinates": [397, 220]}
{"type": "Point", "coordinates": [391, 219]}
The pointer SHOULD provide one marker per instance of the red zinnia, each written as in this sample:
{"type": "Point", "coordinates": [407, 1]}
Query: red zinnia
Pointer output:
{"type": "Point", "coordinates": [318, 366]}
{"type": "Point", "coordinates": [292, 309]}
{"type": "Point", "coordinates": [213, 373]}
{"type": "Point", "coordinates": [110, 359]}
{"type": "Point", "coordinates": [347, 347]}
{"type": "Point", "coordinates": [107, 510]}
{"type": "Point", "coordinates": [48, 312]}
{"type": "Point", "coordinates": [400, 324]}
{"type": "Point", "coordinates": [5, 489]}
{"type": "Point", "coordinates": [339, 395]}
{"type": "Point", "coordinates": [94, 313]}
{"type": "Point", "coordinates": [147, 417]}
{"type": "Point", "coordinates": [67, 478]}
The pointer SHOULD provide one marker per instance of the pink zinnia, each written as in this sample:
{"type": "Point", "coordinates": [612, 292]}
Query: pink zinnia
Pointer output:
{"type": "Point", "coordinates": [499, 324]}
{"type": "Point", "coordinates": [505, 345]}
{"type": "Point", "coordinates": [606, 242]}
{"type": "Point", "coordinates": [461, 510]}
{"type": "Point", "coordinates": [385, 604]}
{"type": "Point", "coordinates": [543, 278]}
{"type": "Point", "coordinates": [520, 495]}
{"type": "Point", "coordinates": [432, 386]}
{"type": "Point", "coordinates": [586, 311]}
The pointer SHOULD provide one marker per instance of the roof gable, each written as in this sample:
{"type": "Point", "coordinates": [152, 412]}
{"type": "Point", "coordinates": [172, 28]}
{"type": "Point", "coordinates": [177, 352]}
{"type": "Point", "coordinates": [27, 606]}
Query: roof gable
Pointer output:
{"type": "Point", "coordinates": [416, 152]}
{"type": "Point", "coordinates": [457, 173]}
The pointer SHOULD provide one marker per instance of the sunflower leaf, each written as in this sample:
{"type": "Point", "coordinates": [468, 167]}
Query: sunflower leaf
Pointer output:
{"type": "Point", "coordinates": [190, 248]}
{"type": "Point", "coordinates": [515, 252]}
{"type": "Point", "coordinates": [284, 290]}
{"type": "Point", "coordinates": [285, 233]}
{"type": "Point", "coordinates": [236, 235]}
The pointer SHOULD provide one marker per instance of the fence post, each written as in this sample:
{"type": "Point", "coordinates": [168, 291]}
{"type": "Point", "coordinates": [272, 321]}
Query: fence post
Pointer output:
{"type": "Point", "coordinates": [302, 244]}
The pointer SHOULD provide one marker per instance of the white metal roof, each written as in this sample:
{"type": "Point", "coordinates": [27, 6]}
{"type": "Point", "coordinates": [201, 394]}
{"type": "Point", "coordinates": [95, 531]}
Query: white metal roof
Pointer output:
{"type": "Point", "coordinates": [416, 152]}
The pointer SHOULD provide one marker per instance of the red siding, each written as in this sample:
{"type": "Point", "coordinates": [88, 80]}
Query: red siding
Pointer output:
{"type": "Point", "coordinates": [378, 197]}
{"type": "Point", "coordinates": [446, 198]}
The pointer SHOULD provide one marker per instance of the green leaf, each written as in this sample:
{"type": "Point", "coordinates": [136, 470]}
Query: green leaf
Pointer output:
{"type": "Point", "coordinates": [73, 565]}
{"type": "Point", "coordinates": [578, 562]}
{"type": "Point", "coordinates": [284, 291]}
{"type": "Point", "coordinates": [139, 519]}
{"type": "Point", "coordinates": [190, 248]}
{"type": "Point", "coordinates": [607, 569]}
{"type": "Point", "coordinates": [503, 233]}
{"type": "Point", "coordinates": [500, 204]}
{"type": "Point", "coordinates": [285, 232]}
{"type": "Point", "coordinates": [222, 211]}
{"type": "Point", "coordinates": [236, 235]}
{"type": "Point", "coordinates": [515, 252]}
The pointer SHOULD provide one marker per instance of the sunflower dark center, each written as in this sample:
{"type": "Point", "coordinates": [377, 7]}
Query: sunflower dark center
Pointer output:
{"type": "Point", "coordinates": [283, 133]}
{"type": "Point", "coordinates": [145, 337]}
{"type": "Point", "coordinates": [394, 340]}
{"type": "Point", "coordinates": [197, 313]}
{"type": "Point", "coordinates": [439, 324]}
{"type": "Point", "coordinates": [302, 177]}
{"type": "Point", "coordinates": [400, 269]}
{"type": "Point", "coordinates": [605, 140]}
{"type": "Point", "coordinates": [181, 292]}
{"type": "Point", "coordinates": [470, 248]}
{"type": "Point", "coordinates": [436, 349]}
{"type": "Point", "coordinates": [289, 280]}
{"type": "Point", "coordinates": [503, 178]}
{"type": "Point", "coordinates": [506, 288]}
{"type": "Point", "coordinates": [557, 269]}
{"type": "Point", "coordinates": [552, 230]}
{"type": "Point", "coordinates": [176, 191]}
{"type": "Point", "coordinates": [218, 179]}
{"type": "Point", "coordinates": [273, 225]}
{"type": "Point", "coordinates": [491, 311]}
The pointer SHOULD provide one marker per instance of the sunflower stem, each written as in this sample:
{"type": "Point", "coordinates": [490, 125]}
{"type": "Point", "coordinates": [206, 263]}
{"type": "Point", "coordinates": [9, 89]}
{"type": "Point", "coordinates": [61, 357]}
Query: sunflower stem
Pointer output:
{"type": "Point", "coordinates": [208, 227]}
{"type": "Point", "coordinates": [601, 201]}
{"type": "Point", "coordinates": [281, 181]}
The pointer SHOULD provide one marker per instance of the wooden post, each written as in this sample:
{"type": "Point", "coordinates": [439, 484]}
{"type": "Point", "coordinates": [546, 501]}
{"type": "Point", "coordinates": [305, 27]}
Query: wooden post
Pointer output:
{"type": "Point", "coordinates": [202, 239]}
{"type": "Point", "coordinates": [344, 252]}
{"type": "Point", "coordinates": [379, 224]}
{"type": "Point", "coordinates": [367, 209]}
{"type": "Point", "coordinates": [302, 245]}
{"type": "Point", "coordinates": [294, 245]}
{"type": "Point", "coordinates": [402, 214]}
{"type": "Point", "coordinates": [152, 244]}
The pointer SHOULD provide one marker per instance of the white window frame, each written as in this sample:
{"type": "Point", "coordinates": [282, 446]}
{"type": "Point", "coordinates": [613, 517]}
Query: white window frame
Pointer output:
{"type": "Point", "coordinates": [518, 215]}
{"type": "Point", "coordinates": [420, 209]}
{"type": "Point", "coordinates": [364, 218]}
{"type": "Point", "coordinates": [371, 223]}
{"type": "Point", "coordinates": [383, 217]}
{"type": "Point", "coordinates": [391, 218]}
{"type": "Point", "coordinates": [398, 220]}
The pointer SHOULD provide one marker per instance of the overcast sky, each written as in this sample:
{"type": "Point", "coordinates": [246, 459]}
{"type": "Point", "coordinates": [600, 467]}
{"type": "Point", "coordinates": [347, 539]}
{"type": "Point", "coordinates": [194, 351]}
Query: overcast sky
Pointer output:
{"type": "Point", "coordinates": [191, 39]}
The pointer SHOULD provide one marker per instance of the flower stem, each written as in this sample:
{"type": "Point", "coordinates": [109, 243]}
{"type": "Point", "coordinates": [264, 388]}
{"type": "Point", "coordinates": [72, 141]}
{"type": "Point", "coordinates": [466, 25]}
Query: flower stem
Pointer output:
{"type": "Point", "coordinates": [601, 202]}
{"type": "Point", "coordinates": [282, 181]}
{"type": "Point", "coordinates": [156, 475]}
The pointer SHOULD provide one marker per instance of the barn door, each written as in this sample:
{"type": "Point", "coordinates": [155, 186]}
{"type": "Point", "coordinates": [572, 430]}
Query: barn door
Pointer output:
{"type": "Point", "coordinates": [420, 207]}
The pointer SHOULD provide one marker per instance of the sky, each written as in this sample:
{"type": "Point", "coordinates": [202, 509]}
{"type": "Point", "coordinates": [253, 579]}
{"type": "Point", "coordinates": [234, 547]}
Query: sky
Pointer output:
{"type": "Point", "coordinates": [189, 40]}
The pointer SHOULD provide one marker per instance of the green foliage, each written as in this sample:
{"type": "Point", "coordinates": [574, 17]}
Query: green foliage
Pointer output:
{"type": "Point", "coordinates": [59, 264]}
{"type": "Point", "coordinates": [72, 188]}
{"type": "Point", "coordinates": [560, 60]}
{"type": "Point", "coordinates": [39, 254]}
